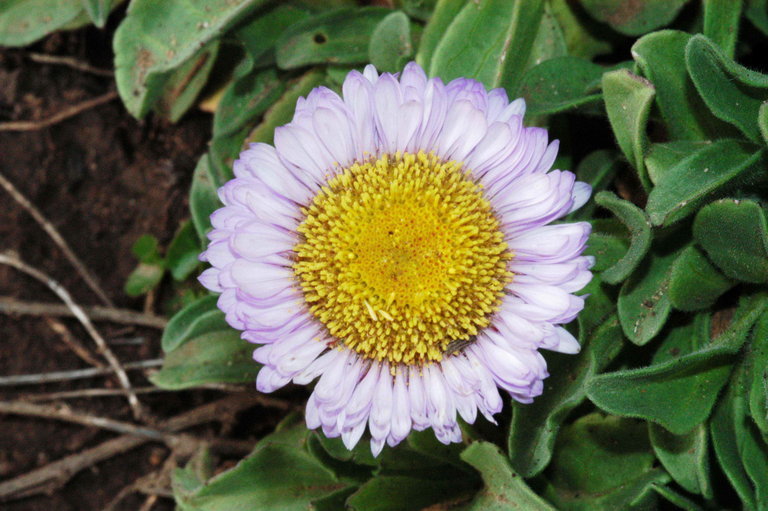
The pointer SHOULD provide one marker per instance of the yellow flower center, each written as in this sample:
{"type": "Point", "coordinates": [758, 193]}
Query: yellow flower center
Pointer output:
{"type": "Point", "coordinates": [401, 257]}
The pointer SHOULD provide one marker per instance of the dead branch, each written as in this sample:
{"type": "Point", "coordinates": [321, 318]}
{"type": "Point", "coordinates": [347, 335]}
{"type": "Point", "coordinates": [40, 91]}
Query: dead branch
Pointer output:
{"type": "Point", "coordinates": [11, 305]}
{"type": "Point", "coordinates": [70, 340]}
{"type": "Point", "coordinates": [43, 58]}
{"type": "Point", "coordinates": [49, 228]}
{"type": "Point", "coordinates": [54, 475]}
{"type": "Point", "coordinates": [77, 374]}
{"type": "Point", "coordinates": [104, 349]}
{"type": "Point", "coordinates": [61, 116]}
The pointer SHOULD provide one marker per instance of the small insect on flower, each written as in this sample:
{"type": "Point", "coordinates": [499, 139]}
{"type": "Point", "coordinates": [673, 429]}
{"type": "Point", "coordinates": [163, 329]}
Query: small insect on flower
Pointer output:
{"type": "Point", "coordinates": [394, 244]}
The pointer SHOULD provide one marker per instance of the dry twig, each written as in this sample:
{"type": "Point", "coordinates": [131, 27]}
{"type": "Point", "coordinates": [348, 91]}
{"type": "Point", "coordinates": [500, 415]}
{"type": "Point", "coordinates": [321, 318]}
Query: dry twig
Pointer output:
{"type": "Point", "coordinates": [77, 374]}
{"type": "Point", "coordinates": [70, 340]}
{"type": "Point", "coordinates": [10, 305]}
{"type": "Point", "coordinates": [49, 228]}
{"type": "Point", "coordinates": [61, 116]}
{"type": "Point", "coordinates": [43, 58]}
{"type": "Point", "coordinates": [133, 401]}
{"type": "Point", "coordinates": [57, 473]}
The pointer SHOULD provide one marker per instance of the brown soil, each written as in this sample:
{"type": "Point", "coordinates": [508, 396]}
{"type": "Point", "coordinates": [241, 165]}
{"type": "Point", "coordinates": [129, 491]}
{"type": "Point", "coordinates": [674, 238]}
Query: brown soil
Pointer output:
{"type": "Point", "coordinates": [103, 179]}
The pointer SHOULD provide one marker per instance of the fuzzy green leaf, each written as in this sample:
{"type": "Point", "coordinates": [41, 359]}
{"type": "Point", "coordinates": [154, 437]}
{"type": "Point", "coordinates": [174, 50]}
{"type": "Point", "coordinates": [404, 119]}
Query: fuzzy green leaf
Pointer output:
{"type": "Point", "coordinates": [244, 100]}
{"type": "Point", "coordinates": [203, 199]}
{"type": "Point", "coordinates": [535, 427]}
{"type": "Point", "coordinates": [694, 283]}
{"type": "Point", "coordinates": [181, 258]}
{"type": "Point", "coordinates": [706, 174]}
{"type": "Point", "coordinates": [391, 47]}
{"type": "Point", "coordinates": [336, 37]}
{"type": "Point", "coordinates": [628, 99]}
{"type": "Point", "coordinates": [676, 498]}
{"type": "Point", "coordinates": [634, 18]}
{"type": "Point", "coordinates": [25, 21]}
{"type": "Point", "coordinates": [275, 476]}
{"type": "Point", "coordinates": [601, 464]}
{"type": "Point", "coordinates": [666, 155]}
{"type": "Point", "coordinates": [157, 38]}
{"type": "Point", "coordinates": [721, 23]}
{"type": "Point", "coordinates": [734, 234]}
{"type": "Point", "coordinates": [757, 374]}
{"type": "Point", "coordinates": [196, 319]}
{"type": "Point", "coordinates": [443, 15]}
{"type": "Point", "coordinates": [490, 41]}
{"type": "Point", "coordinates": [404, 493]}
{"type": "Point", "coordinates": [215, 356]}
{"type": "Point", "coordinates": [685, 457]}
{"type": "Point", "coordinates": [597, 169]}
{"type": "Point", "coordinates": [560, 84]}
{"type": "Point", "coordinates": [644, 301]}
{"type": "Point", "coordinates": [281, 111]}
{"type": "Point", "coordinates": [98, 10]}
{"type": "Point", "coordinates": [260, 34]}
{"type": "Point", "coordinates": [580, 40]}
{"type": "Point", "coordinates": [732, 92]}
{"type": "Point", "coordinates": [144, 278]}
{"type": "Point", "coordinates": [661, 57]}
{"type": "Point", "coordinates": [502, 485]}
{"type": "Point", "coordinates": [639, 226]}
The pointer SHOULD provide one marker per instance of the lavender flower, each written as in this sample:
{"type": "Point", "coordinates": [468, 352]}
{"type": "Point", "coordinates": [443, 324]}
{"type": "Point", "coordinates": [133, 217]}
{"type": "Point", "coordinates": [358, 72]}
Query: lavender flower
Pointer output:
{"type": "Point", "coordinates": [394, 244]}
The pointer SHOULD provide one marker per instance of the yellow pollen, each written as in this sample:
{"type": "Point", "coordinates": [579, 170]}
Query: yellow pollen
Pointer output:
{"type": "Point", "coordinates": [401, 256]}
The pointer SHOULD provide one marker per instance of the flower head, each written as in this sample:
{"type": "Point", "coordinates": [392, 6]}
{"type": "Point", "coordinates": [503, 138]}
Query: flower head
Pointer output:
{"type": "Point", "coordinates": [394, 244]}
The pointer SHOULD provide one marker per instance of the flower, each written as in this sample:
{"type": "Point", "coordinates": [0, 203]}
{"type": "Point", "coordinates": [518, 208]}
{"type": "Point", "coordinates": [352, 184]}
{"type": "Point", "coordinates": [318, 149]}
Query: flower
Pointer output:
{"type": "Point", "coordinates": [394, 243]}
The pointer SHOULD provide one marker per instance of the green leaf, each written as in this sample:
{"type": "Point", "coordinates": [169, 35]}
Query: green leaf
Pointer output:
{"type": "Point", "coordinates": [260, 35]}
{"type": "Point", "coordinates": [694, 283]}
{"type": "Point", "coordinates": [187, 480]}
{"type": "Point", "coordinates": [639, 226]}
{"type": "Point", "coordinates": [757, 374]}
{"type": "Point", "coordinates": [275, 476]}
{"type": "Point", "coordinates": [203, 199]}
{"type": "Point", "coordinates": [730, 438]}
{"type": "Point", "coordinates": [732, 92]}
{"type": "Point", "coordinates": [603, 463]}
{"type": "Point", "coordinates": [503, 487]}
{"type": "Point", "coordinates": [634, 18]}
{"type": "Point", "coordinates": [664, 156]}
{"type": "Point", "coordinates": [597, 169]}
{"type": "Point", "coordinates": [182, 256]}
{"type": "Point", "coordinates": [143, 279]}
{"type": "Point", "coordinates": [146, 249]}
{"type": "Point", "coordinates": [628, 99]}
{"type": "Point", "coordinates": [336, 37]}
{"type": "Point", "coordinates": [762, 120]}
{"type": "Point", "coordinates": [706, 174]}
{"type": "Point", "coordinates": [490, 41]}
{"type": "Point", "coordinates": [443, 15]}
{"type": "Point", "coordinates": [756, 11]}
{"type": "Point", "coordinates": [244, 100]}
{"type": "Point", "coordinates": [734, 234]}
{"type": "Point", "coordinates": [281, 111]}
{"type": "Point", "coordinates": [196, 319]}
{"type": "Point", "coordinates": [25, 21]}
{"type": "Point", "coordinates": [549, 43]}
{"type": "Point", "coordinates": [685, 457]}
{"type": "Point", "coordinates": [98, 10]}
{"type": "Point", "coordinates": [676, 498]}
{"type": "Point", "coordinates": [644, 301]}
{"type": "Point", "coordinates": [535, 427]}
{"type": "Point", "coordinates": [580, 41]}
{"type": "Point", "coordinates": [403, 493]}
{"type": "Point", "coordinates": [157, 38]}
{"type": "Point", "coordinates": [678, 394]}
{"type": "Point", "coordinates": [391, 47]}
{"type": "Point", "coordinates": [607, 250]}
{"type": "Point", "coordinates": [216, 356]}
{"type": "Point", "coordinates": [721, 23]}
{"type": "Point", "coordinates": [560, 84]}
{"type": "Point", "coordinates": [182, 86]}
{"type": "Point", "coordinates": [661, 57]}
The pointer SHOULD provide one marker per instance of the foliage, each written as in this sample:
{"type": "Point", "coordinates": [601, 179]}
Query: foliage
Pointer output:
{"type": "Point", "coordinates": [667, 399]}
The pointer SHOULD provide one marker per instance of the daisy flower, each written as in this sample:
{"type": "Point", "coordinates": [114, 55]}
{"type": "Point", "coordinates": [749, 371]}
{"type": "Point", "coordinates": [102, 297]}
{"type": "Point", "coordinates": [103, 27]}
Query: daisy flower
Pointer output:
{"type": "Point", "coordinates": [394, 245]}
